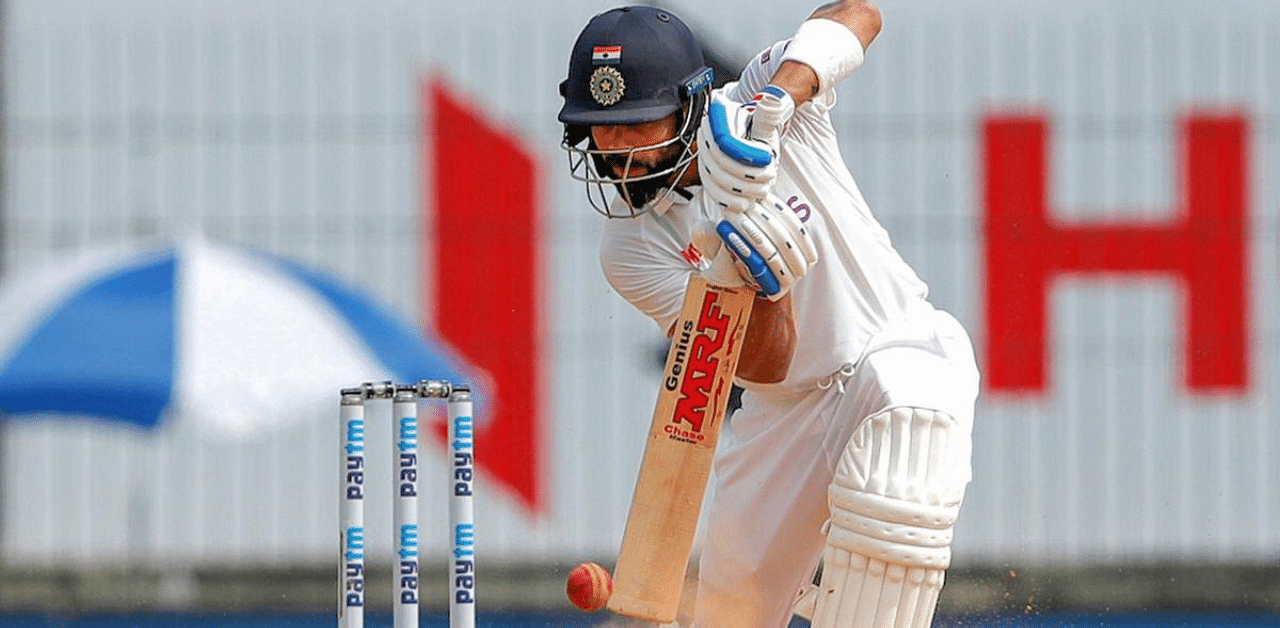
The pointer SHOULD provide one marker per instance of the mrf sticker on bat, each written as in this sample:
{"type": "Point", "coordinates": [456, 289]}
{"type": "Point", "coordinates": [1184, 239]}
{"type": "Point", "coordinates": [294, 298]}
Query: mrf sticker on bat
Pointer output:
{"type": "Point", "coordinates": [700, 347]}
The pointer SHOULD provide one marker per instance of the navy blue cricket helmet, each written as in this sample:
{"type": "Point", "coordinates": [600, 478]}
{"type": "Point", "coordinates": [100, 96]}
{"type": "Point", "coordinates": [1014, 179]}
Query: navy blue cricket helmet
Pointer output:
{"type": "Point", "coordinates": [632, 65]}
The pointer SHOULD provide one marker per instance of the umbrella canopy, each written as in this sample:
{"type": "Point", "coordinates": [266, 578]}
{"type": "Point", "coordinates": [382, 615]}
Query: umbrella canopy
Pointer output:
{"type": "Point", "coordinates": [236, 339]}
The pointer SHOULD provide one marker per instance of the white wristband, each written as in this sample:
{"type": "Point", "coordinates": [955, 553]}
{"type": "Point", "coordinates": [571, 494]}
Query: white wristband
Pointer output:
{"type": "Point", "coordinates": [827, 46]}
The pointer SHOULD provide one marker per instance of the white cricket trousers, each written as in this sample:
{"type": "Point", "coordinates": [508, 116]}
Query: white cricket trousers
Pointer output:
{"type": "Point", "coordinates": [763, 537]}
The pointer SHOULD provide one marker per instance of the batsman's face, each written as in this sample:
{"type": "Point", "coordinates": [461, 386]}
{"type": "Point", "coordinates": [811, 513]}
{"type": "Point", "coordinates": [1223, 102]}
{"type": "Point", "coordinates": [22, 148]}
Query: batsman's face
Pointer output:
{"type": "Point", "coordinates": [633, 159]}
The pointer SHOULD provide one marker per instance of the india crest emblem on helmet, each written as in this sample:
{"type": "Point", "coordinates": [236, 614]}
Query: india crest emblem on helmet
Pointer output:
{"type": "Point", "coordinates": [607, 85]}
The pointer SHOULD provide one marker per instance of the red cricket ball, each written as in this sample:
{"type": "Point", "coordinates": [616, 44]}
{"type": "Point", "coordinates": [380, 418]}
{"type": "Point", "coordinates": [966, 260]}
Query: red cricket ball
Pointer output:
{"type": "Point", "coordinates": [589, 586]}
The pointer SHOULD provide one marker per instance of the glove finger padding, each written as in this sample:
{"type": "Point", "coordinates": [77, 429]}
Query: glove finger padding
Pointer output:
{"type": "Point", "coordinates": [734, 168]}
{"type": "Point", "coordinates": [803, 255]}
{"type": "Point", "coordinates": [774, 108]}
{"type": "Point", "coordinates": [770, 246]}
{"type": "Point", "coordinates": [727, 183]}
{"type": "Point", "coordinates": [780, 254]}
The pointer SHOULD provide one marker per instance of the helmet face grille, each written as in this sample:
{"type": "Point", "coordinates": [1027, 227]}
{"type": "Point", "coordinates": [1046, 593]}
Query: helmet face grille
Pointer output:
{"type": "Point", "coordinates": [640, 193]}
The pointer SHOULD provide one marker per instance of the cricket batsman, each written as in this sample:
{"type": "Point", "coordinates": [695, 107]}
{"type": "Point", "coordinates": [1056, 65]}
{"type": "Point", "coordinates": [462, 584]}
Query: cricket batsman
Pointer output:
{"type": "Point", "coordinates": [852, 446]}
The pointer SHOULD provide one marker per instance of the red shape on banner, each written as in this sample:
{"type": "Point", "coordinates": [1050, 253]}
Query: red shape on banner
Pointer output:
{"type": "Point", "coordinates": [1204, 246]}
{"type": "Point", "coordinates": [486, 237]}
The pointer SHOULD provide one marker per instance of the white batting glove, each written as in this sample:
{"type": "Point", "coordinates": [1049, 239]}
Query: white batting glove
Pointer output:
{"type": "Point", "coordinates": [717, 264]}
{"type": "Point", "coordinates": [774, 108]}
{"type": "Point", "coordinates": [738, 146]}
{"type": "Point", "coordinates": [765, 246]}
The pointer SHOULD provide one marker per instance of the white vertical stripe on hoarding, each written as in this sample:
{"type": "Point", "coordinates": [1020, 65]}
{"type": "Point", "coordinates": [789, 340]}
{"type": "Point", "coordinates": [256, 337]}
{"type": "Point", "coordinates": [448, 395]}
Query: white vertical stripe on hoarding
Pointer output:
{"type": "Point", "coordinates": [1151, 187]}
{"type": "Point", "coordinates": [1095, 454]}
{"type": "Point", "coordinates": [1266, 336]}
{"type": "Point", "coordinates": [1188, 439]}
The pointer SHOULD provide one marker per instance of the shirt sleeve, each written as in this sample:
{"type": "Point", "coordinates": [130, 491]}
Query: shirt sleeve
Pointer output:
{"type": "Point", "coordinates": [648, 278]}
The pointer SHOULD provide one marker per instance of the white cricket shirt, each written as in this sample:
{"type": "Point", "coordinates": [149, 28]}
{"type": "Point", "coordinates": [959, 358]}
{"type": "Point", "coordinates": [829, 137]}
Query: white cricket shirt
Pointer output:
{"type": "Point", "coordinates": [859, 286]}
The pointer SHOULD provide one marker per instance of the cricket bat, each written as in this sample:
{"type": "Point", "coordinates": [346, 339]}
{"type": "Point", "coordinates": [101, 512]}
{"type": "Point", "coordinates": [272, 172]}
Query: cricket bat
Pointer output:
{"type": "Point", "coordinates": [650, 571]}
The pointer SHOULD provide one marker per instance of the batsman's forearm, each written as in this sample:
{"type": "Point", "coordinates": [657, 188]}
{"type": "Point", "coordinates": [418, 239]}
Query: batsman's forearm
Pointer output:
{"type": "Point", "coordinates": [860, 17]}
{"type": "Point", "coordinates": [797, 79]}
{"type": "Point", "coordinates": [769, 343]}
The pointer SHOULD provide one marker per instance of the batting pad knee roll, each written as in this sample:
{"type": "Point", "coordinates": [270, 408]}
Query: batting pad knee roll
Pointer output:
{"type": "Point", "coordinates": [898, 486]}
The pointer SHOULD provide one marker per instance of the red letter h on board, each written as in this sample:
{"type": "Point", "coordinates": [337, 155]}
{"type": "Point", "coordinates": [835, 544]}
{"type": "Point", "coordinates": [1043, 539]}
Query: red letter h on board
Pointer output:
{"type": "Point", "coordinates": [1204, 246]}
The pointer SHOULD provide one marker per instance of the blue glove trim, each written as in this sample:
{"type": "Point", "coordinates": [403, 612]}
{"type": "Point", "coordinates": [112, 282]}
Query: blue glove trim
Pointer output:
{"type": "Point", "coordinates": [735, 148]}
{"type": "Point", "coordinates": [773, 90]}
{"type": "Point", "coordinates": [750, 257]}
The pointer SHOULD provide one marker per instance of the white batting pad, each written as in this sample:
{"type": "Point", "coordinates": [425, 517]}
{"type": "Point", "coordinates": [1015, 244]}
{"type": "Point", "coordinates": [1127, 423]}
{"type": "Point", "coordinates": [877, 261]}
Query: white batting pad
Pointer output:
{"type": "Point", "coordinates": [894, 501]}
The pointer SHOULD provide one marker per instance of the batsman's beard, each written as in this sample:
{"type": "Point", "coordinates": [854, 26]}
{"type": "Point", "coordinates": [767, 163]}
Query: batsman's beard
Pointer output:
{"type": "Point", "coordinates": [637, 194]}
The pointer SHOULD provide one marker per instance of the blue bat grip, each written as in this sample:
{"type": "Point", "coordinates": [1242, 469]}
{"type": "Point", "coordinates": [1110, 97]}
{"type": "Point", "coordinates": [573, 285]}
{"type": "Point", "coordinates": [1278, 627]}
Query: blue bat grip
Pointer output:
{"type": "Point", "coordinates": [750, 257]}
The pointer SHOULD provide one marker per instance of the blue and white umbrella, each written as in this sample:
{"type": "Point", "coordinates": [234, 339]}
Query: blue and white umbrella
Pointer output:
{"type": "Point", "coordinates": [237, 340]}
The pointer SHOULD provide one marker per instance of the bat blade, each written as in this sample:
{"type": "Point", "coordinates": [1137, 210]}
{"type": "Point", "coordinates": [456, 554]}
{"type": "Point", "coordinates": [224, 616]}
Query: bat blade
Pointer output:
{"type": "Point", "coordinates": [650, 571]}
